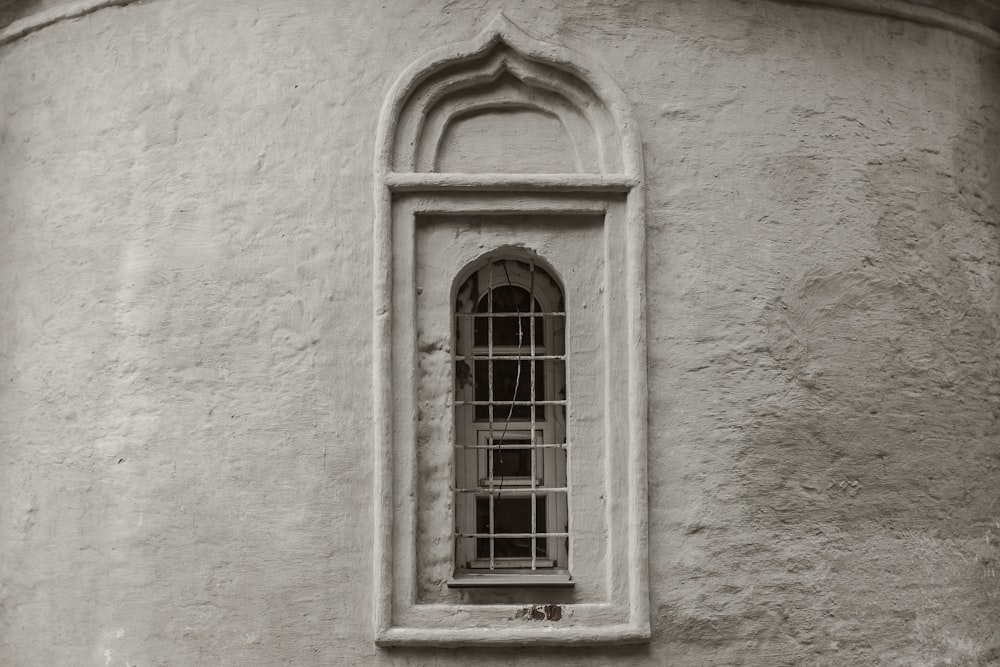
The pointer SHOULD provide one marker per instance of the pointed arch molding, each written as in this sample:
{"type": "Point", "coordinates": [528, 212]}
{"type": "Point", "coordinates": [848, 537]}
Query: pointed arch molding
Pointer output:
{"type": "Point", "coordinates": [438, 89]}
{"type": "Point", "coordinates": [505, 141]}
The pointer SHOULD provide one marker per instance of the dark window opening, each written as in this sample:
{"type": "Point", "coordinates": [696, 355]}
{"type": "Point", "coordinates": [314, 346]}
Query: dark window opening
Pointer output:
{"type": "Point", "coordinates": [510, 515]}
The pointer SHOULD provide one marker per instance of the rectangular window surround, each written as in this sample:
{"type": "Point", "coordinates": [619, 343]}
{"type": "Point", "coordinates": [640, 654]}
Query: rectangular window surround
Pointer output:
{"type": "Point", "coordinates": [422, 598]}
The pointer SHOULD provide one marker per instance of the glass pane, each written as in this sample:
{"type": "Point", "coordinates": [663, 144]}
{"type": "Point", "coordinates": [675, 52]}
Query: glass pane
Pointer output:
{"type": "Point", "coordinates": [557, 326]}
{"type": "Point", "coordinates": [508, 331]}
{"type": "Point", "coordinates": [558, 478]}
{"type": "Point", "coordinates": [511, 515]}
{"type": "Point", "coordinates": [511, 382]}
{"type": "Point", "coordinates": [463, 416]}
{"type": "Point", "coordinates": [507, 299]}
{"type": "Point", "coordinates": [511, 462]}
{"type": "Point", "coordinates": [463, 378]}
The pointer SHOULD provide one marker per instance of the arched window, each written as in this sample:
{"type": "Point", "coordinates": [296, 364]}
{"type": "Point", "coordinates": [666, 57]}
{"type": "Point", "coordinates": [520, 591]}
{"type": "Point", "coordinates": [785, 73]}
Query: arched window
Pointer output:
{"type": "Point", "coordinates": [510, 488]}
{"type": "Point", "coordinates": [509, 350]}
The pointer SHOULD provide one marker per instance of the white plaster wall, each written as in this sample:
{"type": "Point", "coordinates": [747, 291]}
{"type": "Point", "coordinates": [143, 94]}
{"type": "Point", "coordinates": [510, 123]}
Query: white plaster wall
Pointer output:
{"type": "Point", "coordinates": [185, 331]}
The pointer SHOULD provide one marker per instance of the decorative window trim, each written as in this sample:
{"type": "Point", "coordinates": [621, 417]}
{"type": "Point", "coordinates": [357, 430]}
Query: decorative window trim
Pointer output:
{"type": "Point", "coordinates": [611, 189]}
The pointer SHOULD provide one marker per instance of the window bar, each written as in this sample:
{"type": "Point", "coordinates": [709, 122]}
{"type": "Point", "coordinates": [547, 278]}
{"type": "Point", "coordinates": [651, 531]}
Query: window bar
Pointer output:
{"type": "Point", "coordinates": [512, 491]}
{"type": "Point", "coordinates": [547, 313]}
{"type": "Point", "coordinates": [515, 403]}
{"type": "Point", "coordinates": [489, 455]}
{"type": "Point", "coordinates": [518, 535]}
{"type": "Point", "coordinates": [517, 357]}
{"type": "Point", "coordinates": [533, 386]}
{"type": "Point", "coordinates": [541, 445]}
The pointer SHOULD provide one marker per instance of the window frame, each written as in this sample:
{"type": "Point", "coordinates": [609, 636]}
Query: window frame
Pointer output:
{"type": "Point", "coordinates": [615, 615]}
{"type": "Point", "coordinates": [546, 293]}
{"type": "Point", "coordinates": [417, 110]}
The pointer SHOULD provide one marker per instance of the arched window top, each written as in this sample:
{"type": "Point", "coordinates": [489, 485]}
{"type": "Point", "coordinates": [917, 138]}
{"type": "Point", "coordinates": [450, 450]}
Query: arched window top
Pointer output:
{"type": "Point", "coordinates": [510, 276]}
{"type": "Point", "coordinates": [506, 103]}
{"type": "Point", "coordinates": [503, 293]}
{"type": "Point", "coordinates": [508, 298]}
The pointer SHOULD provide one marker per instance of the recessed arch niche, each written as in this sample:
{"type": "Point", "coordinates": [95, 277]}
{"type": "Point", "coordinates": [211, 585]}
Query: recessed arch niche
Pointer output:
{"type": "Point", "coordinates": [501, 142]}
{"type": "Point", "coordinates": [492, 88]}
{"type": "Point", "coordinates": [501, 73]}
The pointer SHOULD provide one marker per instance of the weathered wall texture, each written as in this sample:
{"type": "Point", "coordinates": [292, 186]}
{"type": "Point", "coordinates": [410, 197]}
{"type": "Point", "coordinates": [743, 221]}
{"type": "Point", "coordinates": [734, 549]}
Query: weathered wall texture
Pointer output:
{"type": "Point", "coordinates": [185, 331]}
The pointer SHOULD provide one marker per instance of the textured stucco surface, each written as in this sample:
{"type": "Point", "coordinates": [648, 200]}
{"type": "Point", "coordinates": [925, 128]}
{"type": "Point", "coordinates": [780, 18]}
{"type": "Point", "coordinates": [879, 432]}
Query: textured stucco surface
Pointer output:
{"type": "Point", "coordinates": [185, 331]}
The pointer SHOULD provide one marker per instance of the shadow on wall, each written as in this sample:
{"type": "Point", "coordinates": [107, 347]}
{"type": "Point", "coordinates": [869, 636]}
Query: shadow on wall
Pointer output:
{"type": "Point", "coordinates": [12, 10]}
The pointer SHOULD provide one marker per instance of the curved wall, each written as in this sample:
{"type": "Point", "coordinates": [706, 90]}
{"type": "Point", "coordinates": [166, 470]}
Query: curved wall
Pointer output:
{"type": "Point", "coordinates": [976, 19]}
{"type": "Point", "coordinates": [185, 325]}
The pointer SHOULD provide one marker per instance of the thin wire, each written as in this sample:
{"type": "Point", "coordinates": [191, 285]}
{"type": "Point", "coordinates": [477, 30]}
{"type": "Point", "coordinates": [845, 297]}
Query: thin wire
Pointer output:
{"type": "Point", "coordinates": [517, 377]}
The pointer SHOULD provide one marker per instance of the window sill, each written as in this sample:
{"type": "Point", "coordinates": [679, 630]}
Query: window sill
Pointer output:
{"type": "Point", "coordinates": [512, 579]}
{"type": "Point", "coordinates": [518, 566]}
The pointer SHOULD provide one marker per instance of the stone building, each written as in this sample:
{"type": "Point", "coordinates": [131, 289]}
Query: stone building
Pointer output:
{"type": "Point", "coordinates": [594, 332]}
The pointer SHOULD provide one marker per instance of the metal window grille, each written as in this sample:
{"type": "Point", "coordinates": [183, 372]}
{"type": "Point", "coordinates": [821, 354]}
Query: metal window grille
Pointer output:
{"type": "Point", "coordinates": [511, 491]}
